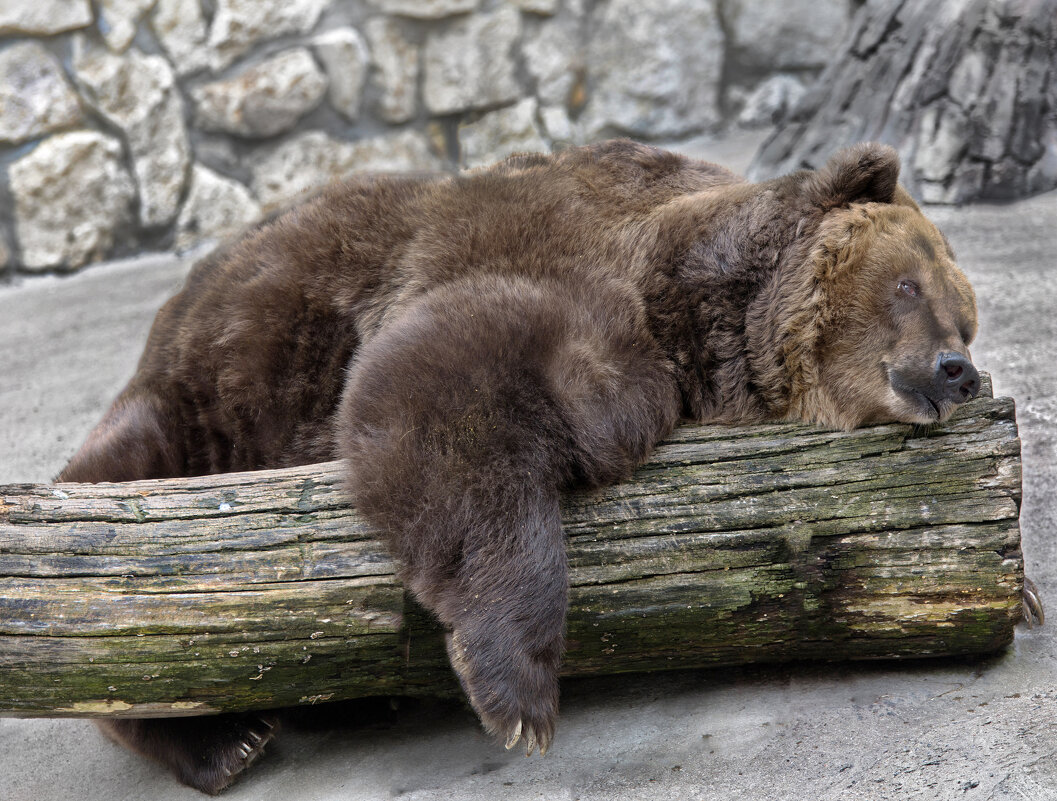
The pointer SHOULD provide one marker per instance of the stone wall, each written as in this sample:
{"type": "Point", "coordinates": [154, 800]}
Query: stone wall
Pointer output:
{"type": "Point", "coordinates": [153, 124]}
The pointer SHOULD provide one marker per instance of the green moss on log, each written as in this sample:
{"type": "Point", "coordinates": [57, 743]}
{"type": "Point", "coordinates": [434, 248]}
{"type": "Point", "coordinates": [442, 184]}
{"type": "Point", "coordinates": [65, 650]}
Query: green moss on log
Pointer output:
{"type": "Point", "coordinates": [732, 545]}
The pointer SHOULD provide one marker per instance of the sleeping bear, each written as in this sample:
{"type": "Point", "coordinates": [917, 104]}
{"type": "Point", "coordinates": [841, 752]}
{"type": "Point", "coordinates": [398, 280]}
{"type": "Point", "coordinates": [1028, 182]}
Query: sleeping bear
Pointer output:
{"type": "Point", "coordinates": [476, 345]}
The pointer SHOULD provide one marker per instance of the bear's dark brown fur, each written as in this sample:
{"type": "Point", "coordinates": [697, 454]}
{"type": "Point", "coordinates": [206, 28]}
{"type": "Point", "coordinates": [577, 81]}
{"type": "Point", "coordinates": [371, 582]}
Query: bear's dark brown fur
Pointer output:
{"type": "Point", "coordinates": [477, 345]}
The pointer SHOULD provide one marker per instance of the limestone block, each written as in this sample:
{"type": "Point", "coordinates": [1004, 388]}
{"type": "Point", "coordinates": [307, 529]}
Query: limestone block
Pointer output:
{"type": "Point", "coordinates": [968, 78]}
{"type": "Point", "coordinates": [343, 53]}
{"type": "Point", "coordinates": [1043, 176]}
{"type": "Point", "coordinates": [138, 94]}
{"type": "Point", "coordinates": [72, 194]}
{"type": "Point", "coordinates": [556, 124]}
{"type": "Point", "coordinates": [553, 57]}
{"type": "Point", "coordinates": [425, 9]}
{"type": "Point", "coordinates": [35, 97]}
{"type": "Point", "coordinates": [118, 20]}
{"type": "Point", "coordinates": [470, 64]}
{"type": "Point", "coordinates": [771, 35]}
{"type": "Point", "coordinates": [313, 159]}
{"type": "Point", "coordinates": [240, 24]}
{"type": "Point", "coordinates": [216, 208]}
{"type": "Point", "coordinates": [538, 6]}
{"type": "Point", "coordinates": [264, 100]}
{"type": "Point", "coordinates": [43, 17]}
{"type": "Point", "coordinates": [396, 69]}
{"type": "Point", "coordinates": [181, 30]}
{"type": "Point", "coordinates": [941, 143]}
{"type": "Point", "coordinates": [770, 100]}
{"type": "Point", "coordinates": [655, 68]}
{"type": "Point", "coordinates": [500, 134]}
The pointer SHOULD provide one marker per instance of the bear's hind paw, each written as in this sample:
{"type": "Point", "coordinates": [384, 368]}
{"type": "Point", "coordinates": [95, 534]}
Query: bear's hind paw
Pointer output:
{"type": "Point", "coordinates": [516, 703]}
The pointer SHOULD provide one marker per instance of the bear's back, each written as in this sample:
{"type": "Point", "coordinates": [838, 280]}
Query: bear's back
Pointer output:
{"type": "Point", "coordinates": [254, 348]}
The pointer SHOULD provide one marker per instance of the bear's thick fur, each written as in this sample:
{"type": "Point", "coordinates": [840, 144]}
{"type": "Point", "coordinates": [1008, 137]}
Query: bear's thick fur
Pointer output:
{"type": "Point", "coordinates": [477, 345]}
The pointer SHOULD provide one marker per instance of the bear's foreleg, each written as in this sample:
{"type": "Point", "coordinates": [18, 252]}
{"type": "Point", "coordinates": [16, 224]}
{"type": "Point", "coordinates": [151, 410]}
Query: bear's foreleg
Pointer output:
{"type": "Point", "coordinates": [463, 420]}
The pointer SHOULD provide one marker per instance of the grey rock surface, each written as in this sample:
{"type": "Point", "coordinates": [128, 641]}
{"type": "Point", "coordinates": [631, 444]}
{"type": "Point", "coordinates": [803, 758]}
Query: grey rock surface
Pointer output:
{"type": "Point", "coordinates": [35, 97]}
{"type": "Point", "coordinates": [118, 20]}
{"type": "Point", "coordinates": [137, 93]}
{"type": "Point", "coordinates": [538, 6]}
{"type": "Point", "coordinates": [240, 24]}
{"type": "Point", "coordinates": [180, 28]}
{"type": "Point", "coordinates": [470, 64]}
{"type": "Point", "coordinates": [72, 194]}
{"type": "Point", "coordinates": [941, 140]}
{"type": "Point", "coordinates": [772, 98]}
{"type": "Point", "coordinates": [499, 134]}
{"type": "Point", "coordinates": [216, 208]}
{"type": "Point", "coordinates": [396, 62]}
{"type": "Point", "coordinates": [963, 90]}
{"type": "Point", "coordinates": [186, 82]}
{"type": "Point", "coordinates": [313, 159]}
{"type": "Point", "coordinates": [556, 125]}
{"type": "Point", "coordinates": [344, 56]}
{"type": "Point", "coordinates": [264, 100]}
{"type": "Point", "coordinates": [656, 68]}
{"type": "Point", "coordinates": [785, 34]}
{"type": "Point", "coordinates": [43, 16]}
{"type": "Point", "coordinates": [1044, 174]}
{"type": "Point", "coordinates": [553, 56]}
{"type": "Point", "coordinates": [952, 730]}
{"type": "Point", "coordinates": [425, 9]}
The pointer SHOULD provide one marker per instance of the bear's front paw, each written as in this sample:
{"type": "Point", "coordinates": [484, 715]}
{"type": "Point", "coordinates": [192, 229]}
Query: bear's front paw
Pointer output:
{"type": "Point", "coordinates": [514, 692]}
{"type": "Point", "coordinates": [211, 757]}
{"type": "Point", "coordinates": [207, 753]}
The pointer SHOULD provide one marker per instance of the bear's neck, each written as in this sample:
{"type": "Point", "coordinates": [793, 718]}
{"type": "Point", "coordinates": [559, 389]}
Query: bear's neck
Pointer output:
{"type": "Point", "coordinates": [738, 295]}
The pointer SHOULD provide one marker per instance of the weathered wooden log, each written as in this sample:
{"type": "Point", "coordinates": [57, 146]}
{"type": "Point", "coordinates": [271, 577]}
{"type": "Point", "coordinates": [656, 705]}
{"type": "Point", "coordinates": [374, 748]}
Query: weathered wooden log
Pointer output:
{"type": "Point", "coordinates": [731, 545]}
{"type": "Point", "coordinates": [966, 90]}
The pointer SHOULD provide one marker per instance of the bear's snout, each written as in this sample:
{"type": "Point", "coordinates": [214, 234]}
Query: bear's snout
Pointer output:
{"type": "Point", "coordinates": [935, 388]}
{"type": "Point", "coordinates": [956, 378]}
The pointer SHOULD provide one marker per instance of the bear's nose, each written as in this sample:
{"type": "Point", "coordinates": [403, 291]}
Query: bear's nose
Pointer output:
{"type": "Point", "coordinates": [957, 378]}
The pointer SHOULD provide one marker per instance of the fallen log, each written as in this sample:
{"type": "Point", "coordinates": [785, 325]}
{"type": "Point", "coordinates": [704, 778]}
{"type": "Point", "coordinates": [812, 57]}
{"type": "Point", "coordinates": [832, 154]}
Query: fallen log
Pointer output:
{"type": "Point", "coordinates": [732, 545]}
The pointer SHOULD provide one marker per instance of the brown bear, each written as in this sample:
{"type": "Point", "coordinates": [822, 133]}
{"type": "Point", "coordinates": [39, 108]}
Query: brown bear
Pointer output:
{"type": "Point", "coordinates": [476, 345]}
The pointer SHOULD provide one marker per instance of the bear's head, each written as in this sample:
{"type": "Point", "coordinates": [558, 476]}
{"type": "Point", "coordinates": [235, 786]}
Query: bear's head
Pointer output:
{"type": "Point", "coordinates": [884, 317]}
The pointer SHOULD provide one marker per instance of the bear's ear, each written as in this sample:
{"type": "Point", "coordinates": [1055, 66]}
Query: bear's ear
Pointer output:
{"type": "Point", "coordinates": [866, 173]}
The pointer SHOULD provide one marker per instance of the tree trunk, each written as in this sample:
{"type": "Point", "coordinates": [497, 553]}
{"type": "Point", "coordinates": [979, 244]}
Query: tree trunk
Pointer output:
{"type": "Point", "coordinates": [966, 90]}
{"type": "Point", "coordinates": [732, 545]}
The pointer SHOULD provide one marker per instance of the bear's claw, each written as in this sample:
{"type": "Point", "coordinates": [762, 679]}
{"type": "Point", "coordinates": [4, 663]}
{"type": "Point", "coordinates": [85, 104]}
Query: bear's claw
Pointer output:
{"type": "Point", "coordinates": [515, 735]}
{"type": "Point", "coordinates": [531, 742]}
{"type": "Point", "coordinates": [1031, 603]}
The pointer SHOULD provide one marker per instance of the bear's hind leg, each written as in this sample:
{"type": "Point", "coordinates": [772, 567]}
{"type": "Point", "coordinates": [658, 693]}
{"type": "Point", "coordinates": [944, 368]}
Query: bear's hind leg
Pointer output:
{"type": "Point", "coordinates": [136, 439]}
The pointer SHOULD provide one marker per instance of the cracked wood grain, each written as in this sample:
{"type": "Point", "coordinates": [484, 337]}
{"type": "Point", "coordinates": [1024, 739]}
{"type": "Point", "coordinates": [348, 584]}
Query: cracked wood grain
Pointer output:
{"type": "Point", "coordinates": [731, 545]}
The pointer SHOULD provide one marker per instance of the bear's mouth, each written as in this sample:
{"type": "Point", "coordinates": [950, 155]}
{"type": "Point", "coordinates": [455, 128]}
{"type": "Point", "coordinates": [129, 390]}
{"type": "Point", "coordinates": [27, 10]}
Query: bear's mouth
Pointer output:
{"type": "Point", "coordinates": [931, 403]}
{"type": "Point", "coordinates": [929, 409]}
{"type": "Point", "coordinates": [935, 411]}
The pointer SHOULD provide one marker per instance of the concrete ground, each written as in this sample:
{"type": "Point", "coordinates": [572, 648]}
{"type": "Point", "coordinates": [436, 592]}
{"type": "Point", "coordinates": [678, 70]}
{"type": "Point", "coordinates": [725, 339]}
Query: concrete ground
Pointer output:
{"type": "Point", "coordinates": [951, 729]}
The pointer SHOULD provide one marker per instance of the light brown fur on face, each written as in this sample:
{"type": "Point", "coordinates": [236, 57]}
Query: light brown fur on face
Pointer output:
{"type": "Point", "coordinates": [878, 350]}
